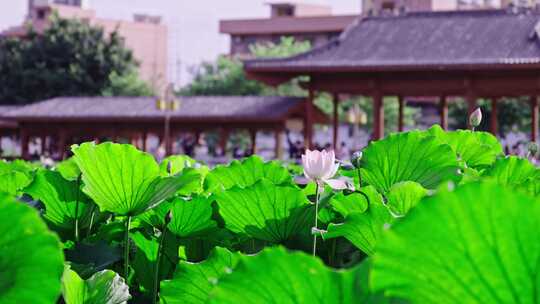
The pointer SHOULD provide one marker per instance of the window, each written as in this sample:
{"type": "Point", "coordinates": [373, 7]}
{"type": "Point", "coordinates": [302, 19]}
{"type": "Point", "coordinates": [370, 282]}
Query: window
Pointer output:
{"type": "Point", "coordinates": [285, 11]}
{"type": "Point", "coordinates": [388, 6]}
{"type": "Point", "coordinates": [41, 14]}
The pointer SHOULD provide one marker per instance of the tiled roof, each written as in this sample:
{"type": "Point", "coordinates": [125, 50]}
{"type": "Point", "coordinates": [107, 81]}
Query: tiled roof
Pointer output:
{"type": "Point", "coordinates": [200, 108]}
{"type": "Point", "coordinates": [4, 110]}
{"type": "Point", "coordinates": [286, 25]}
{"type": "Point", "coordinates": [424, 39]}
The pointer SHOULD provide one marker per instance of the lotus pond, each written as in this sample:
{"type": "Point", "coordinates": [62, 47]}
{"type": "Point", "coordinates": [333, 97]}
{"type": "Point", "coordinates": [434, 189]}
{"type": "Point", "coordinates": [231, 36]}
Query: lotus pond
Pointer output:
{"type": "Point", "coordinates": [425, 217]}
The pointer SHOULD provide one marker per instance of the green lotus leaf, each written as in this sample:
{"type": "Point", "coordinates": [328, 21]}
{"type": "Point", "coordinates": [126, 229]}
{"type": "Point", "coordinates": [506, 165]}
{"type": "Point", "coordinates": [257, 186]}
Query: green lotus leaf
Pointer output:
{"type": "Point", "coordinates": [403, 196]}
{"type": "Point", "coordinates": [14, 176]}
{"type": "Point", "coordinates": [476, 149]}
{"type": "Point", "coordinates": [354, 202]}
{"type": "Point", "coordinates": [515, 172]}
{"type": "Point", "coordinates": [60, 197]}
{"type": "Point", "coordinates": [189, 169]}
{"type": "Point", "coordinates": [192, 180]}
{"type": "Point", "coordinates": [146, 257]}
{"type": "Point", "coordinates": [31, 262]}
{"type": "Point", "coordinates": [104, 287]}
{"type": "Point", "coordinates": [477, 244]}
{"type": "Point", "coordinates": [278, 276]}
{"type": "Point", "coordinates": [191, 217]}
{"type": "Point", "coordinates": [411, 156]}
{"type": "Point", "coordinates": [246, 173]}
{"type": "Point", "coordinates": [17, 165]}
{"type": "Point", "coordinates": [99, 255]}
{"type": "Point", "coordinates": [175, 164]}
{"type": "Point", "coordinates": [121, 179]}
{"type": "Point", "coordinates": [13, 182]}
{"type": "Point", "coordinates": [192, 282]}
{"type": "Point", "coordinates": [363, 229]}
{"type": "Point", "coordinates": [266, 211]}
{"type": "Point", "coordinates": [156, 217]}
{"type": "Point", "coordinates": [68, 169]}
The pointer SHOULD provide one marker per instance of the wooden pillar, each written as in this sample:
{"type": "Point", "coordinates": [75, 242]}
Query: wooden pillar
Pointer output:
{"type": "Point", "coordinates": [534, 118]}
{"type": "Point", "coordinates": [134, 139]}
{"type": "Point", "coordinates": [62, 144]}
{"type": "Point", "coordinates": [335, 122]}
{"type": "Point", "coordinates": [223, 138]}
{"type": "Point", "coordinates": [43, 141]}
{"type": "Point", "coordinates": [253, 134]}
{"type": "Point", "coordinates": [494, 128]}
{"type": "Point", "coordinates": [278, 137]}
{"type": "Point", "coordinates": [24, 145]}
{"type": "Point", "coordinates": [378, 116]}
{"type": "Point", "coordinates": [144, 140]}
{"type": "Point", "coordinates": [401, 101]}
{"type": "Point", "coordinates": [443, 112]}
{"type": "Point", "coordinates": [471, 106]}
{"type": "Point", "coordinates": [167, 135]}
{"type": "Point", "coordinates": [308, 121]}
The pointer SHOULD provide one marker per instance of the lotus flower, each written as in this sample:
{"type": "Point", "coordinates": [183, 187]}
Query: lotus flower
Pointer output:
{"type": "Point", "coordinates": [476, 118]}
{"type": "Point", "coordinates": [321, 167]}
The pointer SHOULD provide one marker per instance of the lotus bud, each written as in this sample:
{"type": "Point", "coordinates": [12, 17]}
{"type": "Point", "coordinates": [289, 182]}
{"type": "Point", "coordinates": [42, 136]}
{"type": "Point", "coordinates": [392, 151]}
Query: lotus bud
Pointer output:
{"type": "Point", "coordinates": [533, 149]}
{"type": "Point", "coordinates": [475, 118]}
{"type": "Point", "coordinates": [356, 158]}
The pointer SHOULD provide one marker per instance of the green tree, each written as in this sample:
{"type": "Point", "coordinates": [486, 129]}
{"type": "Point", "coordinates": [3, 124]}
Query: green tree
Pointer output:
{"type": "Point", "coordinates": [70, 58]}
{"type": "Point", "coordinates": [223, 77]}
{"type": "Point", "coordinates": [226, 75]}
{"type": "Point", "coordinates": [127, 85]}
{"type": "Point", "coordinates": [287, 46]}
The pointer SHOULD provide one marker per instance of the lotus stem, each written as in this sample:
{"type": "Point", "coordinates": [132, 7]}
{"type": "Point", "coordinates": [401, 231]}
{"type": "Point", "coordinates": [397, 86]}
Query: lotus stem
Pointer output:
{"type": "Point", "coordinates": [359, 178]}
{"type": "Point", "coordinates": [156, 272]}
{"type": "Point", "coordinates": [76, 224]}
{"type": "Point", "coordinates": [316, 217]}
{"type": "Point", "coordinates": [332, 253]}
{"type": "Point", "coordinates": [126, 248]}
{"type": "Point", "coordinates": [92, 215]}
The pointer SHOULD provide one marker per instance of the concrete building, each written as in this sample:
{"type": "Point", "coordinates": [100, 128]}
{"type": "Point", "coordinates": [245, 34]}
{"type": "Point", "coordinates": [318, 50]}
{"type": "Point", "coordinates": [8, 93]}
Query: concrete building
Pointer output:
{"type": "Point", "coordinates": [376, 7]}
{"type": "Point", "coordinates": [145, 35]}
{"type": "Point", "coordinates": [314, 23]}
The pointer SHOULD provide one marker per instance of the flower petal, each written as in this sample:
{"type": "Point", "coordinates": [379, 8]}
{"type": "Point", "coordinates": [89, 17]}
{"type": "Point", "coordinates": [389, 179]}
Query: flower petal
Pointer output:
{"type": "Point", "coordinates": [338, 184]}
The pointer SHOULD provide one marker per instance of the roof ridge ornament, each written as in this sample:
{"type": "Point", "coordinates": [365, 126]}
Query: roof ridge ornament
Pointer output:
{"type": "Point", "coordinates": [536, 33]}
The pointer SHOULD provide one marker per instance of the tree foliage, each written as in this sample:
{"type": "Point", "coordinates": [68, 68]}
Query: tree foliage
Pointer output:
{"type": "Point", "coordinates": [226, 75]}
{"type": "Point", "coordinates": [70, 58]}
{"type": "Point", "coordinates": [287, 46]}
{"type": "Point", "coordinates": [128, 84]}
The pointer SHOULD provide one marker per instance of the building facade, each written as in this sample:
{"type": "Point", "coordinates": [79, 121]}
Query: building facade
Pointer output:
{"type": "Point", "coordinates": [317, 24]}
{"type": "Point", "coordinates": [377, 7]}
{"type": "Point", "coordinates": [146, 36]}
{"type": "Point", "coordinates": [304, 22]}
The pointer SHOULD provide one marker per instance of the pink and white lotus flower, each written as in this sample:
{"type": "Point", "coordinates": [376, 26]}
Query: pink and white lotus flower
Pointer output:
{"type": "Point", "coordinates": [321, 167]}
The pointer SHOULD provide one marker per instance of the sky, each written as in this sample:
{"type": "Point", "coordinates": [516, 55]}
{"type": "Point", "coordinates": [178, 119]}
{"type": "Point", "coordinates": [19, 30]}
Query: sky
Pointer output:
{"type": "Point", "coordinates": [193, 24]}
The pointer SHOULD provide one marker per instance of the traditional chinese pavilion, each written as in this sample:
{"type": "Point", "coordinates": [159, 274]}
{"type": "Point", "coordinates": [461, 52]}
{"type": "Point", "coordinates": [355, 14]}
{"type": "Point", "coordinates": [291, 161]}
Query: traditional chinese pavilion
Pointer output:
{"type": "Point", "coordinates": [473, 54]}
{"type": "Point", "coordinates": [60, 122]}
